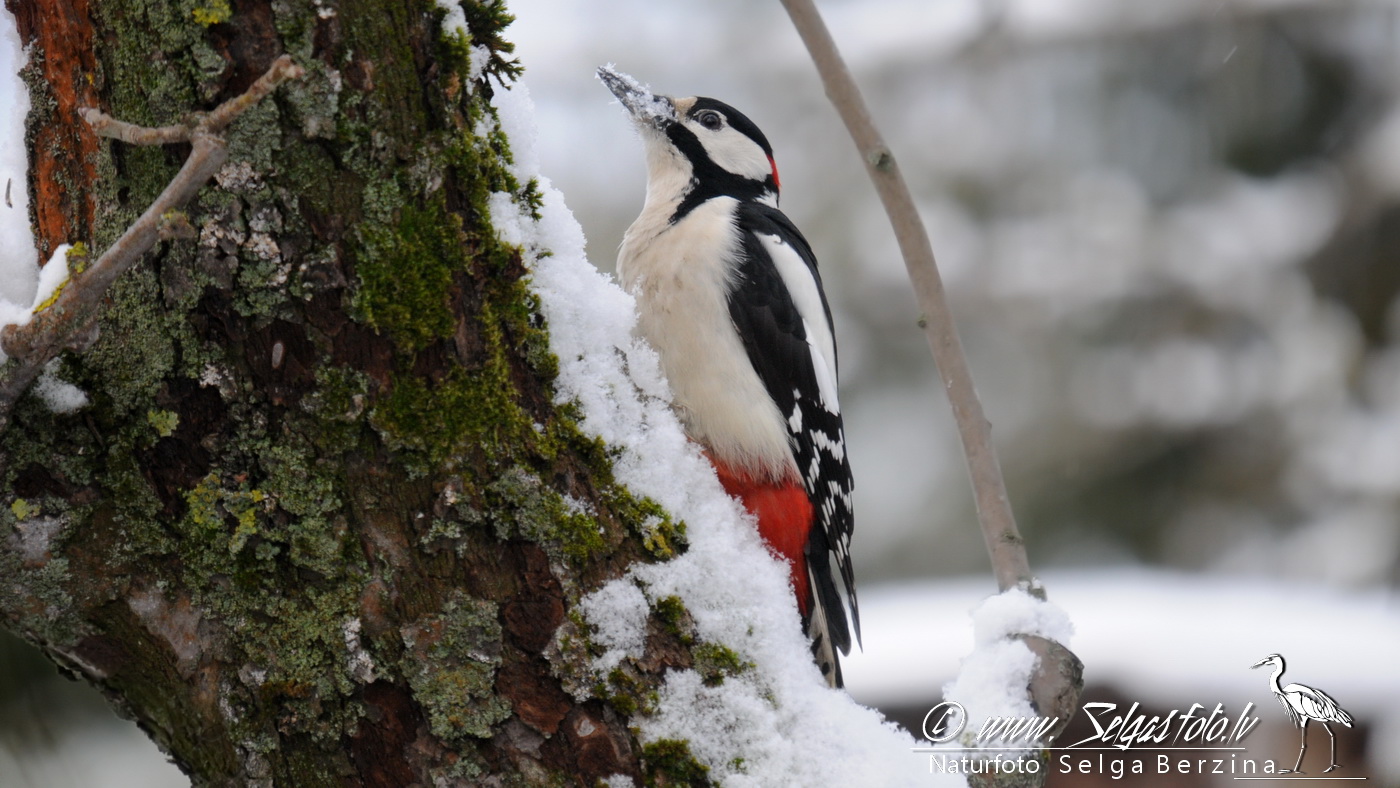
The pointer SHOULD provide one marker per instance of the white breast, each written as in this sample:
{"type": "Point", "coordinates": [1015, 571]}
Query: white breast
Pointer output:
{"type": "Point", "coordinates": [680, 279]}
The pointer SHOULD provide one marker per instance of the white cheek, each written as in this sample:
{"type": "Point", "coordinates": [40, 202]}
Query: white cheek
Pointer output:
{"type": "Point", "coordinates": [735, 153]}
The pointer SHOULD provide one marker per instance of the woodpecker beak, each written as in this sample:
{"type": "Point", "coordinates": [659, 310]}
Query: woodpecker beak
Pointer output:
{"type": "Point", "coordinates": [647, 108]}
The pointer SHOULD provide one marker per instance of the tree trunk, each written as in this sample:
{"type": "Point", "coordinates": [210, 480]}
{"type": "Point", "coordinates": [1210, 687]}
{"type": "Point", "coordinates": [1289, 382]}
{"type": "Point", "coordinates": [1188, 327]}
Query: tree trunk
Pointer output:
{"type": "Point", "coordinates": [320, 520]}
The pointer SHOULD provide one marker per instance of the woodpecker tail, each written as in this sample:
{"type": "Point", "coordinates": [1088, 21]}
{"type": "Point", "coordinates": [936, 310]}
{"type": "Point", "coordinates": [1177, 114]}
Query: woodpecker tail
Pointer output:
{"type": "Point", "coordinates": [823, 649]}
{"type": "Point", "coordinates": [785, 519]}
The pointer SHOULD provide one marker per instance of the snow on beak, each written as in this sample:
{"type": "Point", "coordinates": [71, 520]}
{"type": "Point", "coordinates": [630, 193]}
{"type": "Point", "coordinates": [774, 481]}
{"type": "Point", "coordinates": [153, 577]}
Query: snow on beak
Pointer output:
{"type": "Point", "coordinates": [647, 108]}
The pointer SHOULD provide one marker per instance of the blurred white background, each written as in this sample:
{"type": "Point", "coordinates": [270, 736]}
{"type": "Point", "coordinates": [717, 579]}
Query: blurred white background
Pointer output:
{"type": "Point", "coordinates": [1167, 232]}
{"type": "Point", "coordinates": [1171, 232]}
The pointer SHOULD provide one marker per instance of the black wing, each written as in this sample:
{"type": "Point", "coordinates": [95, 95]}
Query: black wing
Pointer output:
{"type": "Point", "coordinates": [766, 303]}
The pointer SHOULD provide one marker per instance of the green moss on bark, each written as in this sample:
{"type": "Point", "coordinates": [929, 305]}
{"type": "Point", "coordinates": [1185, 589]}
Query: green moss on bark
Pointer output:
{"type": "Point", "coordinates": [715, 663]}
{"type": "Point", "coordinates": [406, 274]}
{"type": "Point", "coordinates": [669, 762]}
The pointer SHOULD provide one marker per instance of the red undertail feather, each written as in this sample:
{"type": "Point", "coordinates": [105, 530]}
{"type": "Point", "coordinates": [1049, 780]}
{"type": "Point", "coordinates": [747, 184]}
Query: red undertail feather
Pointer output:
{"type": "Point", "coordinates": [784, 517]}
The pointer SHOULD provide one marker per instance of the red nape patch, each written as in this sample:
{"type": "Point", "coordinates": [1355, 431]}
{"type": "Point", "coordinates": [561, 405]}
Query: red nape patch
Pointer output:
{"type": "Point", "coordinates": [776, 183]}
{"type": "Point", "coordinates": [784, 521]}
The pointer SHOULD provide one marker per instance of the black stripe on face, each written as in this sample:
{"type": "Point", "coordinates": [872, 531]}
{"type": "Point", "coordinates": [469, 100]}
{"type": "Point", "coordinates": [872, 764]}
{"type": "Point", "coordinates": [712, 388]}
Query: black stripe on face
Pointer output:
{"type": "Point", "coordinates": [708, 179]}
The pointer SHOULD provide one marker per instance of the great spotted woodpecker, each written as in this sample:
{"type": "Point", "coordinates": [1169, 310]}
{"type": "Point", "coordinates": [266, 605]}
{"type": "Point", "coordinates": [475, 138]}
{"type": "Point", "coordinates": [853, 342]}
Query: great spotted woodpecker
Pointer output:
{"type": "Point", "coordinates": [729, 296]}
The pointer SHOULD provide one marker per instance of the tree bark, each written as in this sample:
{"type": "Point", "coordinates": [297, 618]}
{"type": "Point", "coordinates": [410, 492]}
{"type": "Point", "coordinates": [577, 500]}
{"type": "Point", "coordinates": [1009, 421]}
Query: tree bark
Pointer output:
{"type": "Point", "coordinates": [321, 522]}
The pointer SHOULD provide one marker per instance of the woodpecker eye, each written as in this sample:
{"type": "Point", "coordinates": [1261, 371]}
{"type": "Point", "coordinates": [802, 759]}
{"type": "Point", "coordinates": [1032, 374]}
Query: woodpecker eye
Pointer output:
{"type": "Point", "coordinates": [710, 119]}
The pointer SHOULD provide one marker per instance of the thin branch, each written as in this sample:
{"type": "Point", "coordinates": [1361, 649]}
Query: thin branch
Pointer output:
{"type": "Point", "coordinates": [1057, 680]}
{"type": "Point", "coordinates": [104, 125]}
{"type": "Point", "coordinates": [1004, 544]}
{"type": "Point", "coordinates": [69, 321]}
{"type": "Point", "coordinates": [281, 70]}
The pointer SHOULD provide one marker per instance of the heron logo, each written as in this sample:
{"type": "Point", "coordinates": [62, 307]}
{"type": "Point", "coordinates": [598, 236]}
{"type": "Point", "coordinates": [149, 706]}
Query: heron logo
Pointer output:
{"type": "Point", "coordinates": [1304, 704]}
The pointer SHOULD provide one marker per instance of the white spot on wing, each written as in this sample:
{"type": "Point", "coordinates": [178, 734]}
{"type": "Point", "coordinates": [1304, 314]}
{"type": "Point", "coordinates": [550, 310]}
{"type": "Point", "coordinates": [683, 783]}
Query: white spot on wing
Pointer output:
{"type": "Point", "coordinates": [833, 446]}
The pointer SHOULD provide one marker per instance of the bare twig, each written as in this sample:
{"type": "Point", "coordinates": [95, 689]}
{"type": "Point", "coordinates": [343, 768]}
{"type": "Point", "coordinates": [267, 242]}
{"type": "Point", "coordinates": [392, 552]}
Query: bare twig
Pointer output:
{"type": "Point", "coordinates": [281, 70]}
{"type": "Point", "coordinates": [104, 125]}
{"type": "Point", "coordinates": [69, 320]}
{"type": "Point", "coordinates": [1057, 680]}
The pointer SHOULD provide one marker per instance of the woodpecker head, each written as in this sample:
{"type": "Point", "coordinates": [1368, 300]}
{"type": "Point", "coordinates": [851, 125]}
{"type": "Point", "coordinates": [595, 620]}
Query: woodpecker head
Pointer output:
{"type": "Point", "coordinates": [697, 148]}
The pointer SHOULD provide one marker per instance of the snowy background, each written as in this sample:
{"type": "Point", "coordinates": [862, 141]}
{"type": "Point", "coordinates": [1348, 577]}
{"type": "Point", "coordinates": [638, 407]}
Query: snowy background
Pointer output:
{"type": "Point", "coordinates": [1172, 234]}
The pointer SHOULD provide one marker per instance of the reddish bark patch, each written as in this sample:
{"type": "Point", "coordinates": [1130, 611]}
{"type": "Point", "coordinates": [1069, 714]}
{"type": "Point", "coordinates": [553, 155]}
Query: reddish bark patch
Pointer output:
{"type": "Point", "coordinates": [534, 695]}
{"type": "Point", "coordinates": [358, 347]}
{"type": "Point", "coordinates": [248, 42]}
{"type": "Point", "coordinates": [601, 749]}
{"type": "Point", "coordinates": [63, 147]}
{"type": "Point", "coordinates": [532, 615]}
{"type": "Point", "coordinates": [378, 748]}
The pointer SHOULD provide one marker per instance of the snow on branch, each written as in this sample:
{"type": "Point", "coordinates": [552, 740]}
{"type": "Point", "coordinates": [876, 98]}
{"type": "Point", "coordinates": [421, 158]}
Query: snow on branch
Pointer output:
{"type": "Point", "coordinates": [69, 320]}
{"type": "Point", "coordinates": [1054, 686]}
